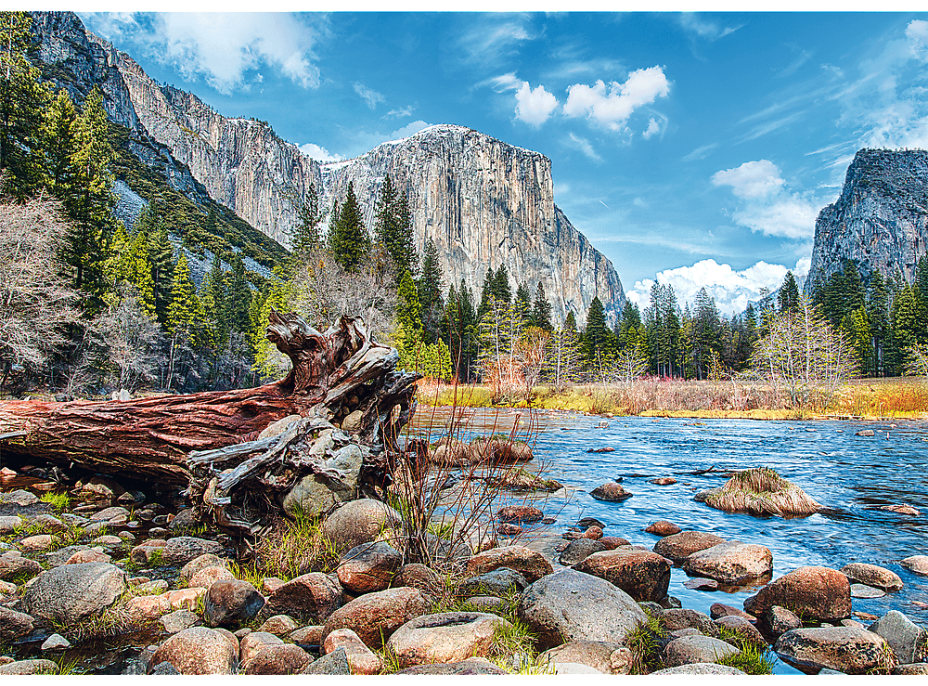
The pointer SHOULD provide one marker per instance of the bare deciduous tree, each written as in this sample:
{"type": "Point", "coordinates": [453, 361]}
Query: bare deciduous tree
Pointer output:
{"type": "Point", "coordinates": [803, 354]}
{"type": "Point", "coordinates": [35, 301]}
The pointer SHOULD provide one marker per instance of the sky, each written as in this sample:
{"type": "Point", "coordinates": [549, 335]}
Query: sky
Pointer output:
{"type": "Point", "coordinates": [693, 148]}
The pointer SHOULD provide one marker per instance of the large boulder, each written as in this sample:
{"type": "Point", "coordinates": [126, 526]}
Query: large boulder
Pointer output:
{"type": "Point", "coordinates": [678, 547]}
{"type": "Point", "coordinates": [278, 660]}
{"type": "Point", "coordinates": [70, 593]}
{"type": "Point", "coordinates": [595, 654]}
{"type": "Point", "coordinates": [361, 659]}
{"type": "Point", "coordinates": [416, 575]}
{"type": "Point", "coordinates": [472, 666]}
{"type": "Point", "coordinates": [369, 567]}
{"type": "Point", "coordinates": [730, 562]}
{"type": "Point", "coordinates": [761, 492]}
{"type": "Point", "coordinates": [375, 616]}
{"type": "Point", "coordinates": [313, 596]}
{"type": "Point", "coordinates": [642, 574]}
{"type": "Point", "coordinates": [580, 549]}
{"type": "Point", "coordinates": [917, 564]}
{"type": "Point", "coordinates": [872, 575]}
{"type": "Point", "coordinates": [359, 521]}
{"type": "Point", "coordinates": [230, 601]}
{"type": "Point", "coordinates": [444, 637]}
{"type": "Point", "coordinates": [703, 668]}
{"type": "Point", "coordinates": [529, 563]}
{"type": "Point", "coordinates": [314, 494]}
{"type": "Point", "coordinates": [850, 650]}
{"type": "Point", "coordinates": [197, 651]}
{"type": "Point", "coordinates": [813, 593]}
{"type": "Point", "coordinates": [573, 606]}
{"type": "Point", "coordinates": [688, 650]}
{"type": "Point", "coordinates": [496, 583]}
{"type": "Point", "coordinates": [198, 564]}
{"type": "Point", "coordinates": [908, 640]}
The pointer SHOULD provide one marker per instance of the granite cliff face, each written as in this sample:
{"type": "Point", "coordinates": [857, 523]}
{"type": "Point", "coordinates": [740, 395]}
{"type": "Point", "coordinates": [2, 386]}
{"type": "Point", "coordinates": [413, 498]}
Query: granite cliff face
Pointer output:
{"type": "Point", "coordinates": [880, 221]}
{"type": "Point", "coordinates": [483, 202]}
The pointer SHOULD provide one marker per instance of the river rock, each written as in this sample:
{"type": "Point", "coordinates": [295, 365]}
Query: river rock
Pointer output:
{"type": "Point", "coordinates": [230, 600]}
{"type": "Point", "coordinates": [69, 593]}
{"type": "Point", "coordinates": [865, 432]}
{"type": "Point", "coordinates": [197, 564]}
{"type": "Point", "coordinates": [846, 649]}
{"type": "Point", "coordinates": [361, 659]}
{"type": "Point", "coordinates": [908, 640]}
{"type": "Point", "coordinates": [369, 567]}
{"type": "Point", "coordinates": [580, 549]}
{"type": "Point", "coordinates": [307, 635]}
{"type": "Point", "coordinates": [182, 549]}
{"type": "Point", "coordinates": [917, 669]}
{"type": "Point", "coordinates": [333, 664]}
{"type": "Point", "coordinates": [197, 650]}
{"type": "Point", "coordinates": [210, 575]}
{"type": "Point", "coordinates": [872, 575]}
{"type": "Point", "coordinates": [14, 625]}
{"type": "Point", "coordinates": [13, 565]}
{"type": "Point", "coordinates": [55, 642]}
{"type": "Point", "coordinates": [176, 621]}
{"type": "Point", "coordinates": [721, 610]}
{"type": "Point", "coordinates": [88, 555]}
{"type": "Point", "coordinates": [529, 563]}
{"type": "Point", "coordinates": [706, 668]}
{"type": "Point", "coordinates": [864, 591]}
{"type": "Point", "coordinates": [744, 628]}
{"type": "Point", "coordinates": [499, 582]}
{"type": "Point", "coordinates": [520, 514]}
{"type": "Point", "coordinates": [917, 564]}
{"type": "Point", "coordinates": [29, 668]}
{"type": "Point", "coordinates": [155, 606]}
{"type": "Point", "coordinates": [278, 427]}
{"type": "Point", "coordinates": [700, 584]}
{"type": "Point", "coordinates": [611, 492]}
{"type": "Point", "coordinates": [279, 625]}
{"type": "Point", "coordinates": [278, 660]}
{"type": "Point", "coordinates": [9, 524]}
{"type": "Point", "coordinates": [416, 575]}
{"type": "Point", "coordinates": [109, 513]}
{"type": "Point", "coordinates": [903, 509]}
{"type": "Point", "coordinates": [256, 641]}
{"type": "Point", "coordinates": [730, 562]}
{"type": "Point", "coordinates": [595, 654]}
{"type": "Point", "coordinates": [815, 593]}
{"type": "Point", "coordinates": [663, 528]}
{"type": "Point", "coordinates": [678, 547]}
{"type": "Point", "coordinates": [313, 596]}
{"type": "Point", "coordinates": [472, 666]}
{"type": "Point", "coordinates": [444, 637]}
{"type": "Point", "coordinates": [19, 497]}
{"type": "Point", "coordinates": [675, 619]}
{"type": "Point", "coordinates": [147, 551]}
{"type": "Point", "coordinates": [571, 605]}
{"type": "Point", "coordinates": [359, 521]}
{"type": "Point", "coordinates": [640, 573]}
{"type": "Point", "coordinates": [375, 616]}
{"type": "Point", "coordinates": [778, 620]}
{"type": "Point", "coordinates": [36, 544]}
{"type": "Point", "coordinates": [697, 649]}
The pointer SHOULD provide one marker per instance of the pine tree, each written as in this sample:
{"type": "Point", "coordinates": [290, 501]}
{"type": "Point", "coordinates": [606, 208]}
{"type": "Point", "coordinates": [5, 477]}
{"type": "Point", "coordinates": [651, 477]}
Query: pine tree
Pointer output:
{"type": "Point", "coordinates": [541, 310]}
{"type": "Point", "coordinates": [485, 292]}
{"type": "Point", "coordinates": [562, 358]}
{"type": "Point", "coordinates": [393, 228]}
{"type": "Point", "coordinates": [597, 340]}
{"type": "Point", "coordinates": [878, 316]}
{"type": "Point", "coordinates": [349, 240]}
{"type": "Point", "coordinates": [408, 309]}
{"type": "Point", "coordinates": [60, 143]}
{"type": "Point", "coordinates": [430, 289]}
{"type": "Point", "coordinates": [238, 296]}
{"type": "Point", "coordinates": [161, 256]}
{"type": "Point", "coordinates": [185, 314]}
{"type": "Point", "coordinates": [23, 100]}
{"type": "Point", "coordinates": [499, 285]}
{"type": "Point", "coordinates": [523, 303]}
{"type": "Point", "coordinates": [213, 301]}
{"type": "Point", "coordinates": [788, 295]}
{"type": "Point", "coordinates": [90, 202]}
{"type": "Point", "coordinates": [307, 234]}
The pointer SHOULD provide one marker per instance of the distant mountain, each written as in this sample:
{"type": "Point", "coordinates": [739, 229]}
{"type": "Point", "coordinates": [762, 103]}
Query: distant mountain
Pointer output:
{"type": "Point", "coordinates": [880, 221]}
{"type": "Point", "coordinates": [483, 202]}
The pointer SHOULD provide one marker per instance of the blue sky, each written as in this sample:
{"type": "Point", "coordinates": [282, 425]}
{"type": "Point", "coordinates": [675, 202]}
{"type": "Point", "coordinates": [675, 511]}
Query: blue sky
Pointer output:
{"type": "Point", "coordinates": [694, 148]}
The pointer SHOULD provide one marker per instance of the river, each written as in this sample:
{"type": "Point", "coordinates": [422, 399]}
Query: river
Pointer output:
{"type": "Point", "coordinates": [849, 474]}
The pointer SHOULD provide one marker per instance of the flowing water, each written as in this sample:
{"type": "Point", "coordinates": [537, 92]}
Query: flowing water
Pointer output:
{"type": "Point", "coordinates": [849, 474]}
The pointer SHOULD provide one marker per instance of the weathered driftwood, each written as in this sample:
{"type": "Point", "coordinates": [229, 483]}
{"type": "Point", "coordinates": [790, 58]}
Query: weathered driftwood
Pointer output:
{"type": "Point", "coordinates": [192, 439]}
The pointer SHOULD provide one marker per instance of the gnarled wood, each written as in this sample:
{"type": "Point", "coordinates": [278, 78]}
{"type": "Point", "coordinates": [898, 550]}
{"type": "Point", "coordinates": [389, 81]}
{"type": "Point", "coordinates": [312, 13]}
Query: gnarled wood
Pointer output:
{"type": "Point", "coordinates": [189, 439]}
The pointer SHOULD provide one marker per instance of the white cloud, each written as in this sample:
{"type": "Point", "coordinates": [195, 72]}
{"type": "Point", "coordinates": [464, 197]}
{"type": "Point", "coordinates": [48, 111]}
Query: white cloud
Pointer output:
{"type": "Point", "coordinates": [534, 106]}
{"type": "Point", "coordinates": [751, 180]}
{"type": "Point", "coordinates": [495, 37]}
{"type": "Point", "coordinates": [221, 47]}
{"type": "Point", "coordinates": [653, 128]}
{"type": "Point", "coordinates": [612, 106]}
{"type": "Point", "coordinates": [732, 290]}
{"type": "Point", "coordinates": [704, 28]}
{"type": "Point", "coordinates": [369, 95]}
{"type": "Point", "coordinates": [917, 33]}
{"type": "Point", "coordinates": [318, 153]}
{"type": "Point", "coordinates": [400, 112]}
{"type": "Point", "coordinates": [584, 146]}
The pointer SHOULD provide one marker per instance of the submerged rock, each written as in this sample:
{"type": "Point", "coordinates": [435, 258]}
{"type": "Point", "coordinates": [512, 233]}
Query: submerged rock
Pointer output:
{"type": "Point", "coordinates": [847, 649]}
{"type": "Point", "coordinates": [761, 492]}
{"type": "Point", "coordinates": [872, 575]}
{"type": "Point", "coordinates": [662, 528]}
{"type": "Point", "coordinates": [611, 492]}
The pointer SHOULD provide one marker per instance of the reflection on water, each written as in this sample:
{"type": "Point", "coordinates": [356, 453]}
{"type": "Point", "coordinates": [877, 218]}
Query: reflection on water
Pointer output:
{"type": "Point", "coordinates": [851, 475]}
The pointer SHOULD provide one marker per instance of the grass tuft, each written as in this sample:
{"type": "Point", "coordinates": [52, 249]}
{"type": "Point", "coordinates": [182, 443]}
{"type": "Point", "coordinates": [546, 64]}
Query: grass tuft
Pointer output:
{"type": "Point", "coordinates": [645, 646]}
{"type": "Point", "coordinates": [58, 501]}
{"type": "Point", "coordinates": [295, 547]}
{"type": "Point", "coordinates": [761, 491]}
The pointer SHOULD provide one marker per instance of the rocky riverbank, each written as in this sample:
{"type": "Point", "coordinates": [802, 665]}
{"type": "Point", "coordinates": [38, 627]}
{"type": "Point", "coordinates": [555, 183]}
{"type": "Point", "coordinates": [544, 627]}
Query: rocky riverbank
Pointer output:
{"type": "Point", "coordinates": [114, 581]}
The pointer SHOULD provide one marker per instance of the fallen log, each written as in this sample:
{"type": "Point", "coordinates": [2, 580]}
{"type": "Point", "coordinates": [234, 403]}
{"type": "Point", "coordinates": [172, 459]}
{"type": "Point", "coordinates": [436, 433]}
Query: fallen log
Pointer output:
{"type": "Point", "coordinates": [186, 439]}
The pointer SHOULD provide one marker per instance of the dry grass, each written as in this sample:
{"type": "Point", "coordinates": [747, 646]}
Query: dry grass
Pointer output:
{"type": "Point", "coordinates": [292, 548]}
{"type": "Point", "coordinates": [762, 492]}
{"type": "Point", "coordinates": [897, 398]}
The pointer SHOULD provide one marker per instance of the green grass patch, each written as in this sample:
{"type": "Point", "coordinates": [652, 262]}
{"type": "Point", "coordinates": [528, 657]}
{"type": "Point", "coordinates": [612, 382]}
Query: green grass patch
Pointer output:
{"type": "Point", "coordinates": [754, 658]}
{"type": "Point", "coordinates": [644, 644]}
{"type": "Point", "coordinates": [58, 501]}
{"type": "Point", "coordinates": [295, 547]}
